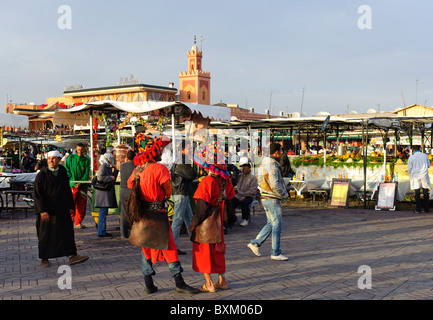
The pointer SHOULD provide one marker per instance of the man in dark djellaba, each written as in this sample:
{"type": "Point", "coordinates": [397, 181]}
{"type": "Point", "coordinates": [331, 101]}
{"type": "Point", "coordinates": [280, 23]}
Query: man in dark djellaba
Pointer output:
{"type": "Point", "coordinates": [53, 206]}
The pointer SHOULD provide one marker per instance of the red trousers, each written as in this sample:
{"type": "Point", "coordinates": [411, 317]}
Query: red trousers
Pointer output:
{"type": "Point", "coordinates": [169, 255]}
{"type": "Point", "coordinates": [80, 206]}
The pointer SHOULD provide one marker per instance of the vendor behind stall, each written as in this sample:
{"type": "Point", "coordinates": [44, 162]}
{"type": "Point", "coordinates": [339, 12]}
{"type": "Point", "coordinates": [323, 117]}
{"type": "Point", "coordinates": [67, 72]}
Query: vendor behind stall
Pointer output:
{"type": "Point", "coordinates": [28, 162]}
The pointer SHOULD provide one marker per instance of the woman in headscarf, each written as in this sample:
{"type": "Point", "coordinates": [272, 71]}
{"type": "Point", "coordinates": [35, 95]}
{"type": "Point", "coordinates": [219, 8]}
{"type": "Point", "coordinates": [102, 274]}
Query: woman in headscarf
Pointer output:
{"type": "Point", "coordinates": [207, 223]}
{"type": "Point", "coordinates": [105, 199]}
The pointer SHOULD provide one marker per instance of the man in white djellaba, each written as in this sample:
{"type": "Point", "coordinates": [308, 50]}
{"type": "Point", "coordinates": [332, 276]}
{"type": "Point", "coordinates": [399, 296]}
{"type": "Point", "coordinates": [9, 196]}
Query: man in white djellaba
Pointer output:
{"type": "Point", "coordinates": [417, 167]}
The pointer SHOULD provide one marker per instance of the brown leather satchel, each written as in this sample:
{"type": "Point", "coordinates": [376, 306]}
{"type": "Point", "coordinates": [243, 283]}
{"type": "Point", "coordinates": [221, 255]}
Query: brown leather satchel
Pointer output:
{"type": "Point", "coordinates": [151, 232]}
{"type": "Point", "coordinates": [209, 231]}
{"type": "Point", "coordinates": [150, 227]}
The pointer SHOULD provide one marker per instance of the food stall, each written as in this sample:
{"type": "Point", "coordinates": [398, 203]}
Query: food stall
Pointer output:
{"type": "Point", "coordinates": [317, 175]}
{"type": "Point", "coordinates": [11, 121]}
{"type": "Point", "coordinates": [115, 115]}
{"type": "Point", "coordinates": [366, 169]}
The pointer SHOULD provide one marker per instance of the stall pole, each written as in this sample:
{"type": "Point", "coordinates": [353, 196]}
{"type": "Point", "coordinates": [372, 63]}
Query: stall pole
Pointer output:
{"type": "Point", "coordinates": [365, 160]}
{"type": "Point", "coordinates": [260, 150]}
{"type": "Point", "coordinates": [291, 137]}
{"type": "Point", "coordinates": [173, 137]}
{"type": "Point", "coordinates": [91, 142]}
{"type": "Point", "coordinates": [411, 139]}
{"type": "Point", "coordinates": [324, 148]}
{"type": "Point", "coordinates": [299, 141]}
{"type": "Point", "coordinates": [422, 138]}
{"type": "Point", "coordinates": [431, 140]}
{"type": "Point", "coordinates": [384, 153]}
{"type": "Point", "coordinates": [251, 150]}
{"type": "Point", "coordinates": [337, 137]}
{"type": "Point", "coordinates": [118, 131]}
{"type": "Point", "coordinates": [19, 151]}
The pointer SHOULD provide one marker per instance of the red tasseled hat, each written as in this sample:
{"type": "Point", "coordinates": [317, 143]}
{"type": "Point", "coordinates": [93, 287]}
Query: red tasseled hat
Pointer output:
{"type": "Point", "coordinates": [147, 146]}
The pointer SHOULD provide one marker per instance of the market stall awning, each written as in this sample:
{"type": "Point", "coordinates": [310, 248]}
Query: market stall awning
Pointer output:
{"type": "Point", "coordinates": [274, 123]}
{"type": "Point", "coordinates": [417, 123]}
{"type": "Point", "coordinates": [79, 115]}
{"type": "Point", "coordinates": [14, 121]}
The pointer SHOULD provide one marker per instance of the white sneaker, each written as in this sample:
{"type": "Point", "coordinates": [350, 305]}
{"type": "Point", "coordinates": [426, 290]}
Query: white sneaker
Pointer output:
{"type": "Point", "coordinates": [254, 249]}
{"type": "Point", "coordinates": [244, 223]}
{"type": "Point", "coordinates": [280, 257]}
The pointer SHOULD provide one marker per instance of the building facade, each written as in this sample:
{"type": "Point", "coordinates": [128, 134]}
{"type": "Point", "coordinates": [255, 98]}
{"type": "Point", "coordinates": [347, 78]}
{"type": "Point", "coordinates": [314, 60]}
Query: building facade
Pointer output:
{"type": "Point", "coordinates": [40, 116]}
{"type": "Point", "coordinates": [125, 93]}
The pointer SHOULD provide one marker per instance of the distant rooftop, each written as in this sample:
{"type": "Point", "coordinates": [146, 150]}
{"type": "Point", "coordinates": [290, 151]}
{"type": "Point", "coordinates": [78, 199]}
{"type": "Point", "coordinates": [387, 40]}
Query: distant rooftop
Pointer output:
{"type": "Point", "coordinates": [144, 86]}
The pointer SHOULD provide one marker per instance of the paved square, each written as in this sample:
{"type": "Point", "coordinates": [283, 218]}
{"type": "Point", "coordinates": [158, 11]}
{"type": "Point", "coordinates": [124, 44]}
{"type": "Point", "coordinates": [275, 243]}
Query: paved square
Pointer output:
{"type": "Point", "coordinates": [325, 246]}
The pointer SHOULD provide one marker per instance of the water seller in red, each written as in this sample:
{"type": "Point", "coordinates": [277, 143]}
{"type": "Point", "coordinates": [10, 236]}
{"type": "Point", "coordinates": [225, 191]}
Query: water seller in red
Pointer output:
{"type": "Point", "coordinates": [207, 223]}
{"type": "Point", "coordinates": [155, 187]}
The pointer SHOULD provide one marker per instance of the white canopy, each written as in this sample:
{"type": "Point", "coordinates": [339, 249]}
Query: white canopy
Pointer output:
{"type": "Point", "coordinates": [397, 121]}
{"type": "Point", "coordinates": [14, 120]}
{"type": "Point", "coordinates": [285, 122]}
{"type": "Point", "coordinates": [83, 115]}
{"type": "Point", "coordinates": [79, 115]}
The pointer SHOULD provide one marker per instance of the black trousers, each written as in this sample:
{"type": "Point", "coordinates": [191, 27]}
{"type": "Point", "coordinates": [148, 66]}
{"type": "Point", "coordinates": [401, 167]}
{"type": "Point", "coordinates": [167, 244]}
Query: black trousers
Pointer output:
{"type": "Point", "coordinates": [123, 199]}
{"type": "Point", "coordinates": [426, 200]}
{"type": "Point", "coordinates": [245, 206]}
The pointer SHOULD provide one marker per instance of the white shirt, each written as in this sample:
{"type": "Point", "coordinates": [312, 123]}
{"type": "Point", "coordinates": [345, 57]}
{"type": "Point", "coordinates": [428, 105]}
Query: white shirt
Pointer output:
{"type": "Point", "coordinates": [417, 167]}
{"type": "Point", "coordinates": [167, 158]}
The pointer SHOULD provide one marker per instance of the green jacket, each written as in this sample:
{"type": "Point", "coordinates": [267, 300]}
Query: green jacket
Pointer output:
{"type": "Point", "coordinates": [78, 169]}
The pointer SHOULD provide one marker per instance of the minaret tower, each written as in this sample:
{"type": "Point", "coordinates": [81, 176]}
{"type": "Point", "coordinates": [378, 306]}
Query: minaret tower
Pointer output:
{"type": "Point", "coordinates": [194, 84]}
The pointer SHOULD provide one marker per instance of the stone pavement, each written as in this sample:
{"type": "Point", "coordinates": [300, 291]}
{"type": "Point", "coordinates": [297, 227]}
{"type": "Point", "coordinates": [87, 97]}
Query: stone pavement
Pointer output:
{"type": "Point", "coordinates": [325, 246]}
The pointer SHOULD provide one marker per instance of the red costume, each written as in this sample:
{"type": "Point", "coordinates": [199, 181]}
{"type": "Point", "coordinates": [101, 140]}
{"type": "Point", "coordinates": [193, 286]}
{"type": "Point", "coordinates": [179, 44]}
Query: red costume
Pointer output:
{"type": "Point", "coordinates": [205, 258]}
{"type": "Point", "coordinates": [152, 180]}
{"type": "Point", "coordinates": [153, 189]}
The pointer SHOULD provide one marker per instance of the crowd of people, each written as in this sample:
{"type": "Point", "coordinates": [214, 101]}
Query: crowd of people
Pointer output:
{"type": "Point", "coordinates": [145, 186]}
{"type": "Point", "coordinates": [31, 159]}
{"type": "Point", "coordinates": [352, 146]}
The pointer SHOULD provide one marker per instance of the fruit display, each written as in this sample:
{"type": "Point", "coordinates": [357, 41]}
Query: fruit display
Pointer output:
{"type": "Point", "coordinates": [349, 159]}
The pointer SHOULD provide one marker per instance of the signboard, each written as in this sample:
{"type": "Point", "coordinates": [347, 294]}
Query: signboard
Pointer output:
{"type": "Point", "coordinates": [386, 196]}
{"type": "Point", "coordinates": [325, 123]}
{"type": "Point", "coordinates": [339, 196]}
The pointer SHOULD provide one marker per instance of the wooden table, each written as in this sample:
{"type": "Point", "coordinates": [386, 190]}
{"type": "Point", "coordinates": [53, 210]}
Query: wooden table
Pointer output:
{"type": "Point", "coordinates": [15, 194]}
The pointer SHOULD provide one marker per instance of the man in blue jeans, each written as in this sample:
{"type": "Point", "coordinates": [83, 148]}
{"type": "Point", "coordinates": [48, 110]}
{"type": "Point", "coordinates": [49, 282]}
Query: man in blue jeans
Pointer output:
{"type": "Point", "coordinates": [273, 190]}
{"type": "Point", "coordinates": [182, 175]}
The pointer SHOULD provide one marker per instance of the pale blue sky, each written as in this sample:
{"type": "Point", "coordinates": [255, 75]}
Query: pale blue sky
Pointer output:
{"type": "Point", "coordinates": [252, 48]}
